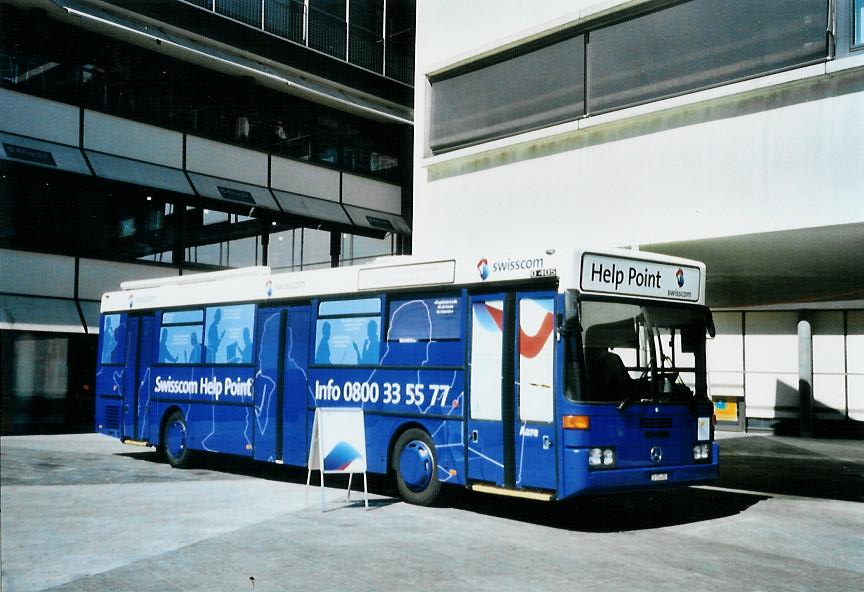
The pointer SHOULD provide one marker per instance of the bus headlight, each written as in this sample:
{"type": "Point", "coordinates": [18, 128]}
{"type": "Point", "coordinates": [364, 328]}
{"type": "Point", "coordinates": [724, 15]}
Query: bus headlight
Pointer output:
{"type": "Point", "coordinates": [601, 458]}
{"type": "Point", "coordinates": [608, 457]}
{"type": "Point", "coordinates": [701, 451]}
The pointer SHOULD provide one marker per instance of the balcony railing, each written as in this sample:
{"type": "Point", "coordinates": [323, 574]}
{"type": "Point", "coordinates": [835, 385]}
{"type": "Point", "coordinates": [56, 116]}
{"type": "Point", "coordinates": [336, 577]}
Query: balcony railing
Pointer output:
{"type": "Point", "coordinates": [317, 29]}
{"type": "Point", "coordinates": [326, 33]}
{"type": "Point", "coordinates": [245, 11]}
{"type": "Point", "coordinates": [286, 19]}
{"type": "Point", "coordinates": [366, 49]}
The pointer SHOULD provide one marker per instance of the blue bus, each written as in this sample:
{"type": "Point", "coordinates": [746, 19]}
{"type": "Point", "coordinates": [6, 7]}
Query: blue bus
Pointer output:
{"type": "Point", "coordinates": [539, 375]}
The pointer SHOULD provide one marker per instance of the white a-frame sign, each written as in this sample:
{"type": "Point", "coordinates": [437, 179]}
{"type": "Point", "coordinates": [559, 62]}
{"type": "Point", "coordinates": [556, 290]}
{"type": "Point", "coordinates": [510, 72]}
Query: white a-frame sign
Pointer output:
{"type": "Point", "coordinates": [338, 446]}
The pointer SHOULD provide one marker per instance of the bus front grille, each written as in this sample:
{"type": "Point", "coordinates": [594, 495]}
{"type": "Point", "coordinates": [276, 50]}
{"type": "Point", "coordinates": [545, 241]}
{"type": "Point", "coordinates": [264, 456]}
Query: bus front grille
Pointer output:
{"type": "Point", "coordinates": [112, 417]}
{"type": "Point", "coordinates": [653, 423]}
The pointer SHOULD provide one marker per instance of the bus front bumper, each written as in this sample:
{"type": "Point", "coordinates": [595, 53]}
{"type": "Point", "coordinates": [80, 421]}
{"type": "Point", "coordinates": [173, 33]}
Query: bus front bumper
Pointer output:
{"type": "Point", "coordinates": [579, 480]}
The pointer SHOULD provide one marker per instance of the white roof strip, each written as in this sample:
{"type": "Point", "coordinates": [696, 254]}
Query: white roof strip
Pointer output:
{"type": "Point", "coordinates": [197, 278]}
{"type": "Point", "coordinates": [260, 284]}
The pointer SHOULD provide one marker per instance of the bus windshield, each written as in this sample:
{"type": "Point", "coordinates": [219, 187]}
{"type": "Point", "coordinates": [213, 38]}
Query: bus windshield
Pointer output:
{"type": "Point", "coordinates": [629, 352]}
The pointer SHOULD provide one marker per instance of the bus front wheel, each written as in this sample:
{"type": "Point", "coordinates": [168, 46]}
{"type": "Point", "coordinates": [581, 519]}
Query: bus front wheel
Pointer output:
{"type": "Point", "coordinates": [415, 466]}
{"type": "Point", "coordinates": [175, 441]}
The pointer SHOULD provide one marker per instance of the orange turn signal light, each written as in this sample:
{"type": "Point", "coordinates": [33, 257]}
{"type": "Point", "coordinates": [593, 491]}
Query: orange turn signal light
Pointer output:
{"type": "Point", "coordinates": [575, 422]}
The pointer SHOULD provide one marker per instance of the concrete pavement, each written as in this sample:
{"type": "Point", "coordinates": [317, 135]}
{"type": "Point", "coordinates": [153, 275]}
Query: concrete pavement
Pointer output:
{"type": "Point", "coordinates": [87, 513]}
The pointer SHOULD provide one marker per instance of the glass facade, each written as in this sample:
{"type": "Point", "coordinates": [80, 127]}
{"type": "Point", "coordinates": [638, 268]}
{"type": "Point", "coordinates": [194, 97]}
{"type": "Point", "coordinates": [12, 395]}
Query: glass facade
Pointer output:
{"type": "Point", "coordinates": [60, 62]}
{"type": "Point", "coordinates": [56, 61]}
{"type": "Point", "coordinates": [350, 31]}
{"type": "Point", "coordinates": [47, 376]}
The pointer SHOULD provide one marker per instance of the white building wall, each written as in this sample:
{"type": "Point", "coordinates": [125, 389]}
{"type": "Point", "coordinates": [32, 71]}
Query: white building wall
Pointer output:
{"type": "Point", "coordinates": [698, 171]}
{"type": "Point", "coordinates": [855, 363]}
{"type": "Point", "coordinates": [776, 153]}
{"type": "Point", "coordinates": [754, 360]}
{"type": "Point", "coordinates": [771, 364]}
{"type": "Point", "coordinates": [829, 364]}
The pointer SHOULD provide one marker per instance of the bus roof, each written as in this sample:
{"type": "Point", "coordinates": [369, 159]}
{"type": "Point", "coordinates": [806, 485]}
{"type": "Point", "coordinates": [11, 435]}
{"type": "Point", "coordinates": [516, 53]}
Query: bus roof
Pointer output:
{"type": "Point", "coordinates": [615, 272]}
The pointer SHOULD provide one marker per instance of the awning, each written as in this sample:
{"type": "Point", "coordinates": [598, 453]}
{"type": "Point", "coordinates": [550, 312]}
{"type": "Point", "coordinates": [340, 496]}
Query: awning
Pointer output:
{"type": "Point", "coordinates": [233, 192]}
{"type": "Point", "coordinates": [36, 313]}
{"type": "Point", "coordinates": [310, 207]}
{"type": "Point", "coordinates": [42, 153]}
{"type": "Point", "coordinates": [381, 221]}
{"type": "Point", "coordinates": [139, 173]}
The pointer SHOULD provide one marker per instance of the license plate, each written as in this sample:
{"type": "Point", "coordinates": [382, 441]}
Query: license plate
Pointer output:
{"type": "Point", "coordinates": [660, 476]}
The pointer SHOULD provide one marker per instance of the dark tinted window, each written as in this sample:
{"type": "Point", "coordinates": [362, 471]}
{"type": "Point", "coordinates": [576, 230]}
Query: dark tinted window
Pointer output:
{"type": "Point", "coordinates": [858, 21]}
{"type": "Point", "coordinates": [700, 44]}
{"type": "Point", "coordinates": [536, 89]}
{"type": "Point", "coordinates": [425, 319]}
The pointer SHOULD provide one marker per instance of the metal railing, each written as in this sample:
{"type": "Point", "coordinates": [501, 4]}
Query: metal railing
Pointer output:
{"type": "Point", "coordinates": [285, 18]}
{"type": "Point", "coordinates": [330, 34]}
{"type": "Point", "coordinates": [245, 11]}
{"type": "Point", "coordinates": [400, 57]}
{"type": "Point", "coordinates": [326, 33]}
{"type": "Point", "coordinates": [366, 49]}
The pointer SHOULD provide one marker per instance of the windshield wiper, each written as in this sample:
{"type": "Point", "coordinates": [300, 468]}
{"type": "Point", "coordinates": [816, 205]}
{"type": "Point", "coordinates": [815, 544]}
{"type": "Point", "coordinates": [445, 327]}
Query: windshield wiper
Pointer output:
{"type": "Point", "coordinates": [627, 401]}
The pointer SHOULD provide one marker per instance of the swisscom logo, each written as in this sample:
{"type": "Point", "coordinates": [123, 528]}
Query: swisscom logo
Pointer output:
{"type": "Point", "coordinates": [483, 268]}
{"type": "Point", "coordinates": [535, 266]}
{"type": "Point", "coordinates": [679, 277]}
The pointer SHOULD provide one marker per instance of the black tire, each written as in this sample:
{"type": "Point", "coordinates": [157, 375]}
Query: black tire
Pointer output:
{"type": "Point", "coordinates": [415, 463]}
{"type": "Point", "coordinates": [175, 441]}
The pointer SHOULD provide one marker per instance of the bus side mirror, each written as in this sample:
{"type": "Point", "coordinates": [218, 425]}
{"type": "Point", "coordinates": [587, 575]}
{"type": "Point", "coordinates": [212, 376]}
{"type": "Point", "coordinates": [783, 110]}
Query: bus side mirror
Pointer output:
{"type": "Point", "coordinates": [690, 339]}
{"type": "Point", "coordinates": [709, 323]}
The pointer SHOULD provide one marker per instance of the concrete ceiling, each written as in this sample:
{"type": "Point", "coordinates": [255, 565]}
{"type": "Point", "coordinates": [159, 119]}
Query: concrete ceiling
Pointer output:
{"type": "Point", "coordinates": [787, 269]}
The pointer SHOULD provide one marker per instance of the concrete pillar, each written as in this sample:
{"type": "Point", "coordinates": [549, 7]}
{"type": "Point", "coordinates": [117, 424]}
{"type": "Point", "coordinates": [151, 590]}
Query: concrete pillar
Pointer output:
{"type": "Point", "coordinates": [335, 247]}
{"type": "Point", "coordinates": [178, 249]}
{"type": "Point", "coordinates": [805, 376]}
{"type": "Point", "coordinates": [265, 246]}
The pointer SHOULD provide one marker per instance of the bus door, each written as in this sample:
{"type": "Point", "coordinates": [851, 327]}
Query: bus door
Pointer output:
{"type": "Point", "coordinates": [136, 379]}
{"type": "Point", "coordinates": [282, 358]}
{"type": "Point", "coordinates": [489, 427]}
{"type": "Point", "coordinates": [510, 428]}
{"type": "Point", "coordinates": [535, 455]}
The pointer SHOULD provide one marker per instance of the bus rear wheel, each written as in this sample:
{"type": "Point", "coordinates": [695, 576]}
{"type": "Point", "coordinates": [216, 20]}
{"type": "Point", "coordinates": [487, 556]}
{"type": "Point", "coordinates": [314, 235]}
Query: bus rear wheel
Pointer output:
{"type": "Point", "coordinates": [175, 441]}
{"type": "Point", "coordinates": [414, 463]}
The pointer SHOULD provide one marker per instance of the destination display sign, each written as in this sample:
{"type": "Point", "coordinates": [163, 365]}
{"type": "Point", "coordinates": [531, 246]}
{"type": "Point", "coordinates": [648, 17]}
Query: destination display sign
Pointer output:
{"type": "Point", "coordinates": [635, 277]}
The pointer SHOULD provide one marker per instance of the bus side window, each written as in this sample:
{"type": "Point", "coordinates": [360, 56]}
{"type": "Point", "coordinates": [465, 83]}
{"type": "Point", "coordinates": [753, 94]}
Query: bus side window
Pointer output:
{"type": "Point", "coordinates": [425, 319]}
{"type": "Point", "coordinates": [229, 331]}
{"type": "Point", "coordinates": [348, 332]}
{"type": "Point", "coordinates": [113, 340]}
{"type": "Point", "coordinates": [180, 337]}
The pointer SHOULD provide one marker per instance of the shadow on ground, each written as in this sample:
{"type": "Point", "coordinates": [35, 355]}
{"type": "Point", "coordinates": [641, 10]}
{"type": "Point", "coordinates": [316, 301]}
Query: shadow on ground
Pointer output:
{"type": "Point", "coordinates": [616, 513]}
{"type": "Point", "coordinates": [206, 464]}
{"type": "Point", "coordinates": [630, 512]}
{"type": "Point", "coordinates": [762, 465]}
{"type": "Point", "coordinates": [765, 464]}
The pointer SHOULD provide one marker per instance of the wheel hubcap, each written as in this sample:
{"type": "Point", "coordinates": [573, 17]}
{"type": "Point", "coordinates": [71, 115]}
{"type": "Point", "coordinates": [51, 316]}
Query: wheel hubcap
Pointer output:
{"type": "Point", "coordinates": [176, 440]}
{"type": "Point", "coordinates": [416, 465]}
